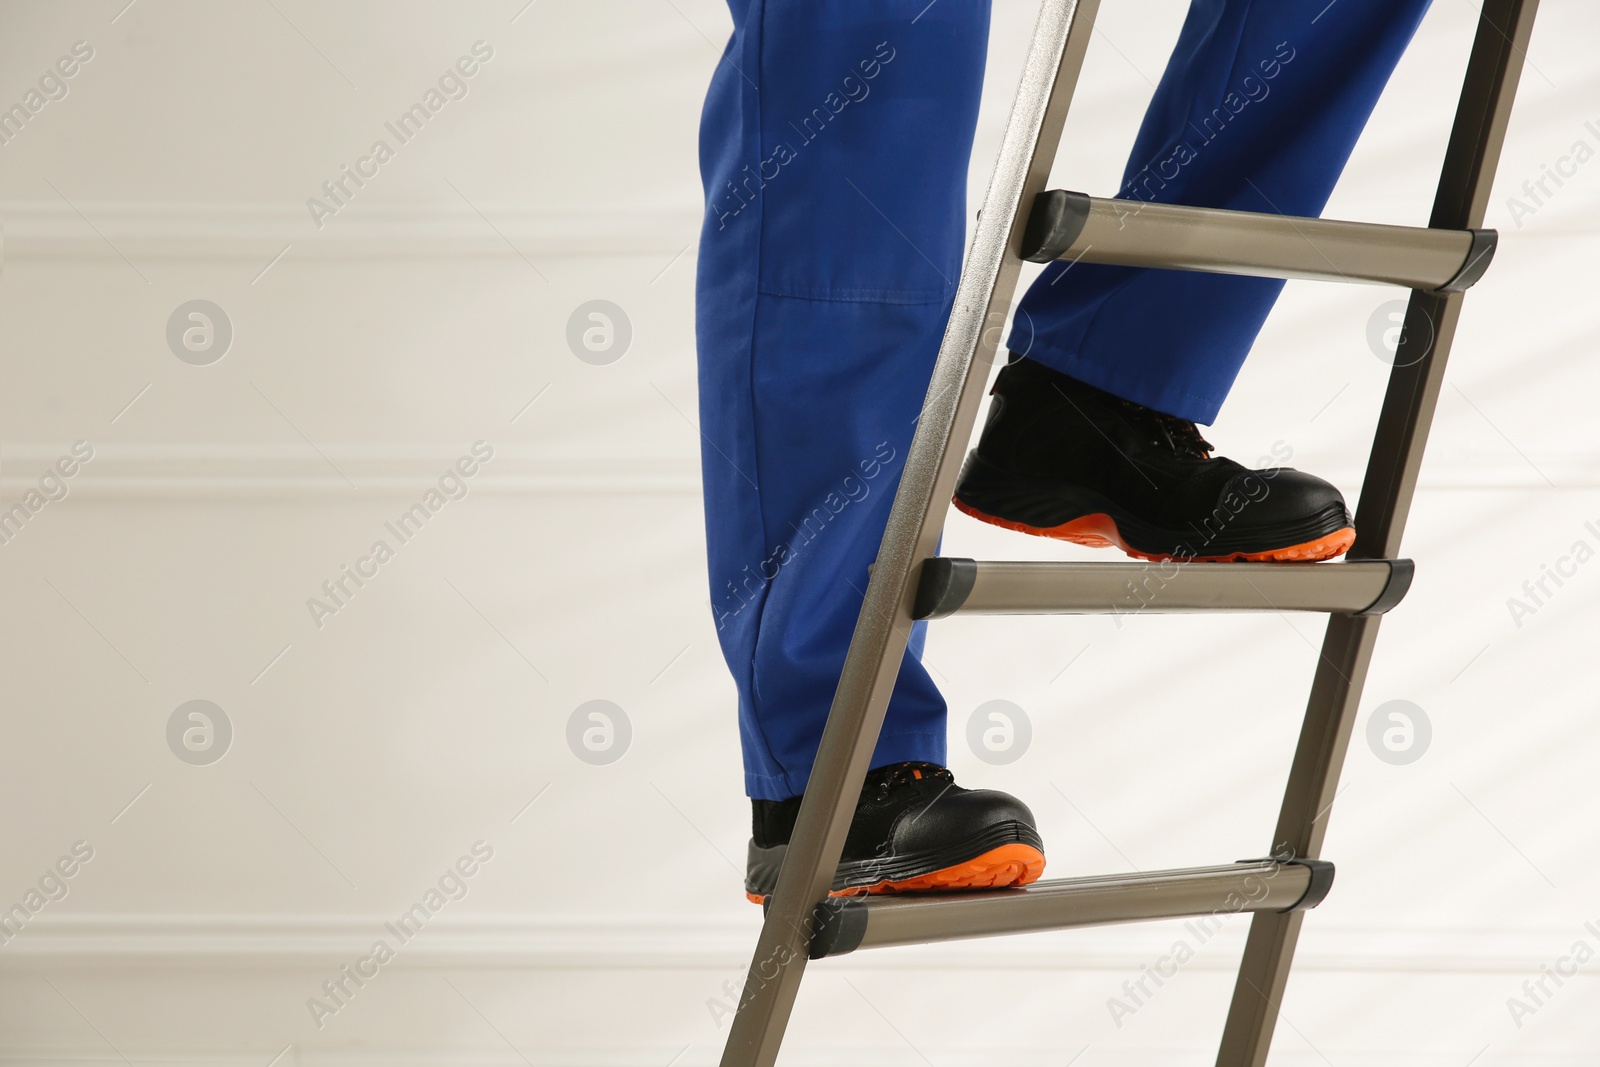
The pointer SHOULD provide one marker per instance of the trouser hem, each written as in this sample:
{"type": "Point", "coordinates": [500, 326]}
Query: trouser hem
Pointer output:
{"type": "Point", "coordinates": [892, 748]}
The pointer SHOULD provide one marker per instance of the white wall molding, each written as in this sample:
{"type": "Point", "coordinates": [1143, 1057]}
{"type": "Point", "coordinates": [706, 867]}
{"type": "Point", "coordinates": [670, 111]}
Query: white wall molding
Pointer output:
{"type": "Point", "coordinates": [54, 230]}
{"type": "Point", "coordinates": [707, 1053]}
{"type": "Point", "coordinates": [224, 231]}
{"type": "Point", "coordinates": [563, 943]}
{"type": "Point", "coordinates": [184, 470]}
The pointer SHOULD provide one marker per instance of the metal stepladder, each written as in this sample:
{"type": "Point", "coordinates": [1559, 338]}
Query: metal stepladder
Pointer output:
{"type": "Point", "coordinates": [1021, 221]}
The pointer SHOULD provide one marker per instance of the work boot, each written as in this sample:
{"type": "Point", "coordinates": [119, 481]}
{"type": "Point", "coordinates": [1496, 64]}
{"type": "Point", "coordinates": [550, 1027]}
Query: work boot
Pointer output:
{"type": "Point", "coordinates": [1059, 458]}
{"type": "Point", "coordinates": [914, 829]}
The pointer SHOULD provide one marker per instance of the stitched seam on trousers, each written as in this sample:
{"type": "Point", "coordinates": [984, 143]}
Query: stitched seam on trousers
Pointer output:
{"type": "Point", "coordinates": [1227, 81]}
{"type": "Point", "coordinates": [1238, 46]}
{"type": "Point", "coordinates": [749, 91]}
{"type": "Point", "coordinates": [860, 296]}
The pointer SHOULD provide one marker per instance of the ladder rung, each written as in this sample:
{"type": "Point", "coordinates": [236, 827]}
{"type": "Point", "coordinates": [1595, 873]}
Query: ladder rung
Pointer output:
{"type": "Point", "coordinates": [1355, 587]}
{"type": "Point", "coordinates": [913, 919]}
{"type": "Point", "coordinates": [1133, 233]}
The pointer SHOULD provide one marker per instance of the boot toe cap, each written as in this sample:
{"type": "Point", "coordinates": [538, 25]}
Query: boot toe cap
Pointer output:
{"type": "Point", "coordinates": [960, 816]}
{"type": "Point", "coordinates": [1283, 494]}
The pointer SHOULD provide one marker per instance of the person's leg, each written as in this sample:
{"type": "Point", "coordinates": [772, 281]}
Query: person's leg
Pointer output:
{"type": "Point", "coordinates": [834, 149]}
{"type": "Point", "coordinates": [1091, 435]}
{"type": "Point", "coordinates": [1259, 109]}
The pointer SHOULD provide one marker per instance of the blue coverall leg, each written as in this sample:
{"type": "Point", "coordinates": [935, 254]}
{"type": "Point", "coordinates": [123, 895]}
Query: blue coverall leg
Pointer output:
{"type": "Point", "coordinates": [834, 148]}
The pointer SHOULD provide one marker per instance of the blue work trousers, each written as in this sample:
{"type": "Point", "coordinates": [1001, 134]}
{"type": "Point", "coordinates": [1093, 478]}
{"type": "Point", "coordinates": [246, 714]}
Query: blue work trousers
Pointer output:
{"type": "Point", "coordinates": [834, 146]}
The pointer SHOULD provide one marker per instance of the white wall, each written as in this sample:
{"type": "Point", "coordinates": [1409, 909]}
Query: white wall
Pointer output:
{"type": "Point", "coordinates": [425, 715]}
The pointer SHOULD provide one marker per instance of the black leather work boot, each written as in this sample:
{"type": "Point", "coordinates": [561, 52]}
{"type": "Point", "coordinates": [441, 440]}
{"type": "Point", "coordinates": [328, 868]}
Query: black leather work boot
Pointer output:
{"type": "Point", "coordinates": [1059, 458]}
{"type": "Point", "coordinates": [914, 829]}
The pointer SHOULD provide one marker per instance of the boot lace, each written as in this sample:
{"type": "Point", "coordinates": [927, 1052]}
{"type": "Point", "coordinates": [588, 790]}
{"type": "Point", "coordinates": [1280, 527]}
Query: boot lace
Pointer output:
{"type": "Point", "coordinates": [882, 779]}
{"type": "Point", "coordinates": [1180, 435]}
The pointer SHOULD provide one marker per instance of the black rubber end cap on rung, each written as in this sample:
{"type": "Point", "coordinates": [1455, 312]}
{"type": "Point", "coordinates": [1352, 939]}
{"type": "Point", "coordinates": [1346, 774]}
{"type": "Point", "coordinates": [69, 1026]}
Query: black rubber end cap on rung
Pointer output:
{"type": "Point", "coordinates": [1479, 256]}
{"type": "Point", "coordinates": [1401, 571]}
{"type": "Point", "coordinates": [1316, 889]}
{"type": "Point", "coordinates": [944, 587]}
{"type": "Point", "coordinates": [1321, 882]}
{"type": "Point", "coordinates": [1057, 218]}
{"type": "Point", "coordinates": [836, 927]}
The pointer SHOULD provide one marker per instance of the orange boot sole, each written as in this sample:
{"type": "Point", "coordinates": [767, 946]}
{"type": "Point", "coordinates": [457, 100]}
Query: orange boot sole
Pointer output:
{"type": "Point", "coordinates": [999, 868]}
{"type": "Point", "coordinates": [1100, 531]}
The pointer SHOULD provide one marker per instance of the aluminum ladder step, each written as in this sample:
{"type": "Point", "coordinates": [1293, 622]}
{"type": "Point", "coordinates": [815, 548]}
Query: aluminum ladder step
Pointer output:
{"type": "Point", "coordinates": [844, 925]}
{"type": "Point", "coordinates": [1132, 233]}
{"type": "Point", "coordinates": [951, 586]}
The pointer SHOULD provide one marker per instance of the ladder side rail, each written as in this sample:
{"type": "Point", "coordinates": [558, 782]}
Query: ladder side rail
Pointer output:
{"type": "Point", "coordinates": [916, 519]}
{"type": "Point", "coordinates": [1466, 182]}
